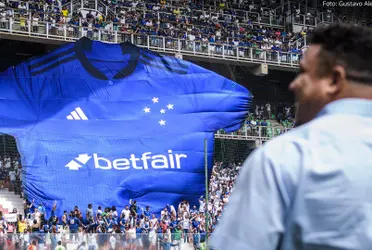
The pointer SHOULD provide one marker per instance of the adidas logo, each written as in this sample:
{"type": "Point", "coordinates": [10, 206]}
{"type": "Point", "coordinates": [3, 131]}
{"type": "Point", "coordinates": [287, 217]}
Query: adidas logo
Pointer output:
{"type": "Point", "coordinates": [77, 114]}
{"type": "Point", "coordinates": [77, 163]}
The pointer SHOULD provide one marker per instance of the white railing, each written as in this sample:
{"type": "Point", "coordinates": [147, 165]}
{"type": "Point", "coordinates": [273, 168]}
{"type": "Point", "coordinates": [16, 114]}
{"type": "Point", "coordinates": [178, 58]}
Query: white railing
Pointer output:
{"type": "Point", "coordinates": [313, 21]}
{"type": "Point", "coordinates": [326, 17]}
{"type": "Point", "coordinates": [104, 8]}
{"type": "Point", "coordinates": [305, 20]}
{"type": "Point", "coordinates": [253, 132]}
{"type": "Point", "coordinates": [69, 33]}
{"type": "Point", "coordinates": [300, 42]}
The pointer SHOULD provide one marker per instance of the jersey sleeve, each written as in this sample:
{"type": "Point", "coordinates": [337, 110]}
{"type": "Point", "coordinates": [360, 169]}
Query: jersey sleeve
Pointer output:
{"type": "Point", "coordinates": [227, 104]}
{"type": "Point", "coordinates": [18, 101]}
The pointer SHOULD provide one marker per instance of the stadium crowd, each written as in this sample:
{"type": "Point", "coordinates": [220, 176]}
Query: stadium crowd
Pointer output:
{"type": "Point", "coordinates": [230, 23]}
{"type": "Point", "coordinates": [10, 172]}
{"type": "Point", "coordinates": [261, 119]}
{"type": "Point", "coordinates": [186, 21]}
{"type": "Point", "coordinates": [135, 226]}
{"type": "Point", "coordinates": [94, 227]}
{"type": "Point", "coordinates": [281, 112]}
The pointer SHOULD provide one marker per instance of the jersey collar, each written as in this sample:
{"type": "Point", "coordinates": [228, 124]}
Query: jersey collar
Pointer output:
{"type": "Point", "coordinates": [85, 44]}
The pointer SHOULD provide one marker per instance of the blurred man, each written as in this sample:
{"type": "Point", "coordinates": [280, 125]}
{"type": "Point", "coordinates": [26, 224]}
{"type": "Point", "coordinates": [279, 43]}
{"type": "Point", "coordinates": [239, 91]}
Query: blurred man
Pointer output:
{"type": "Point", "coordinates": [312, 187]}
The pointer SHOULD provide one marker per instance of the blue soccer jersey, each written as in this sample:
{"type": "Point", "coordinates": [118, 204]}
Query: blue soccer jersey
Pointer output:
{"type": "Point", "coordinates": [104, 123]}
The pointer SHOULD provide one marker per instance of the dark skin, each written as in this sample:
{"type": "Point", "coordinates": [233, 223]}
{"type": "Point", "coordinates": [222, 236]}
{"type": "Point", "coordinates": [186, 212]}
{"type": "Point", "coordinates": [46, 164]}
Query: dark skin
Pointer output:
{"type": "Point", "coordinates": [312, 92]}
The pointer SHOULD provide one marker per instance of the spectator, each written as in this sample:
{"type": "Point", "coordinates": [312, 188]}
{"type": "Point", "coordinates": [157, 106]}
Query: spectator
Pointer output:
{"type": "Point", "coordinates": [32, 246]}
{"type": "Point", "coordinates": [167, 245]}
{"type": "Point", "coordinates": [60, 247]}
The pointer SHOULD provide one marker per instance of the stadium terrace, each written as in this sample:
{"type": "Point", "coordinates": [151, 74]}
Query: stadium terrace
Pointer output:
{"type": "Point", "coordinates": [244, 29]}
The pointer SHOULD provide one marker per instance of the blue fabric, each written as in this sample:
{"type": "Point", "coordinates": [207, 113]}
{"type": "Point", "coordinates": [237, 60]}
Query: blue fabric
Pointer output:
{"type": "Point", "coordinates": [104, 123]}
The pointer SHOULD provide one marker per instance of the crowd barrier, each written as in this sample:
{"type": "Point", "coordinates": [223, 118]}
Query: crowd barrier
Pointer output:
{"type": "Point", "coordinates": [108, 241]}
{"type": "Point", "coordinates": [253, 132]}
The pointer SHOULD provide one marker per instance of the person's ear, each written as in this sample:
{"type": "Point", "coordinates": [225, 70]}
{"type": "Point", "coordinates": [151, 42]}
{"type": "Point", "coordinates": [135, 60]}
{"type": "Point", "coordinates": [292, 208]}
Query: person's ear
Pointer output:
{"type": "Point", "coordinates": [338, 80]}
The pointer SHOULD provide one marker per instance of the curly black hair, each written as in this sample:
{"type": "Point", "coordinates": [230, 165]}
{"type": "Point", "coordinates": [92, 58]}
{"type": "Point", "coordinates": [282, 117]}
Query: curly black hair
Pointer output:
{"type": "Point", "coordinates": [348, 45]}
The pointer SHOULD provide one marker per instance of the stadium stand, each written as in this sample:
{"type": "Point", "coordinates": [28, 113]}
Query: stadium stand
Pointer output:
{"type": "Point", "coordinates": [220, 26]}
{"type": "Point", "coordinates": [200, 29]}
{"type": "Point", "coordinates": [181, 225]}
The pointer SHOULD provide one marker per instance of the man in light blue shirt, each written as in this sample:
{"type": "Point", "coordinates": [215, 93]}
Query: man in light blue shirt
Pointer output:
{"type": "Point", "coordinates": [311, 189]}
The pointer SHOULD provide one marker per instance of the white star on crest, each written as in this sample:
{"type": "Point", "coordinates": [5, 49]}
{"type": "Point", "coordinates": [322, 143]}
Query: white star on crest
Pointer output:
{"type": "Point", "coordinates": [162, 111]}
{"type": "Point", "coordinates": [155, 100]}
{"type": "Point", "coordinates": [162, 122]}
{"type": "Point", "coordinates": [147, 110]}
{"type": "Point", "coordinates": [170, 106]}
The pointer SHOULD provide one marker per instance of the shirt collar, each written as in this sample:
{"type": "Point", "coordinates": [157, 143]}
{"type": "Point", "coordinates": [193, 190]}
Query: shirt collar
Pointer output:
{"type": "Point", "coordinates": [348, 106]}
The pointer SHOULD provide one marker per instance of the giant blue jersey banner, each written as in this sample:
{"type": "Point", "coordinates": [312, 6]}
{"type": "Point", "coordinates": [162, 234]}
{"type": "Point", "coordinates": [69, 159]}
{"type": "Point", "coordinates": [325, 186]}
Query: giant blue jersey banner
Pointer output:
{"type": "Point", "coordinates": [104, 123]}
